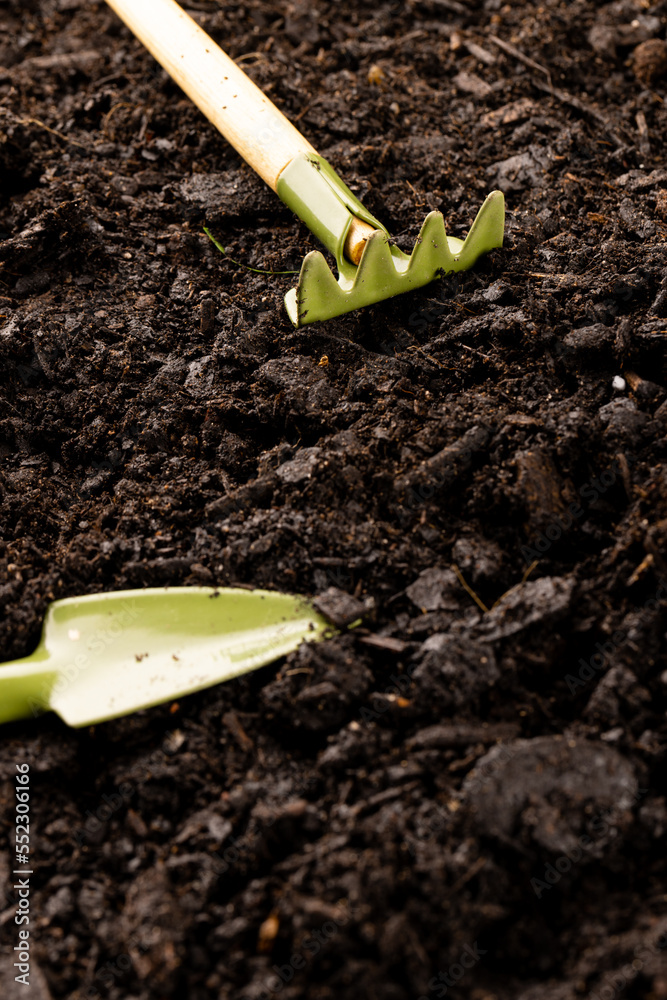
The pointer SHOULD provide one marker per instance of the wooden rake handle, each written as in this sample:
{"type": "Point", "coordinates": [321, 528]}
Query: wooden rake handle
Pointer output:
{"type": "Point", "coordinates": [229, 99]}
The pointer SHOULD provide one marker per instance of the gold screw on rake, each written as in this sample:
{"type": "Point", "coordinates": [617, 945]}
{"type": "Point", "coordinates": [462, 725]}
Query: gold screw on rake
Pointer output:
{"type": "Point", "coordinates": [370, 267]}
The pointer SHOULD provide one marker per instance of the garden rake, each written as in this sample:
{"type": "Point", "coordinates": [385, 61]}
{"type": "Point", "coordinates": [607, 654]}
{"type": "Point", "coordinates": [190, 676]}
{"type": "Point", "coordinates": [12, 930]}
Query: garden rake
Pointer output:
{"type": "Point", "coordinates": [370, 267]}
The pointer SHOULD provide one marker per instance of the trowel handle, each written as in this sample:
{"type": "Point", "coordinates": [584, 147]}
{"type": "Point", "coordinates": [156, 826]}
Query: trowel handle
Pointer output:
{"type": "Point", "coordinates": [25, 686]}
{"type": "Point", "coordinates": [222, 91]}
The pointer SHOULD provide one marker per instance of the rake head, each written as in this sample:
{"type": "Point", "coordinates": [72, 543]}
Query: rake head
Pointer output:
{"type": "Point", "coordinates": [316, 193]}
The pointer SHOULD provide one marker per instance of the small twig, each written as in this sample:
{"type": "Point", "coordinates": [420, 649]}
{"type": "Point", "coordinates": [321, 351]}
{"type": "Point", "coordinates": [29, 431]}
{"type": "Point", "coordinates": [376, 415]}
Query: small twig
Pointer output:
{"type": "Point", "coordinates": [419, 204]}
{"type": "Point", "coordinates": [250, 55]}
{"type": "Point", "coordinates": [516, 585]}
{"type": "Point", "coordinates": [474, 350]}
{"type": "Point", "coordinates": [472, 871]}
{"type": "Point", "coordinates": [468, 589]}
{"type": "Point", "coordinates": [47, 128]}
{"type": "Point", "coordinates": [511, 50]}
{"type": "Point", "coordinates": [305, 110]}
{"type": "Point", "coordinates": [585, 109]}
{"type": "Point", "coordinates": [107, 117]}
{"type": "Point", "coordinates": [642, 129]}
{"type": "Point", "coordinates": [456, 8]}
{"type": "Point", "coordinates": [479, 53]}
{"type": "Point", "coordinates": [420, 350]}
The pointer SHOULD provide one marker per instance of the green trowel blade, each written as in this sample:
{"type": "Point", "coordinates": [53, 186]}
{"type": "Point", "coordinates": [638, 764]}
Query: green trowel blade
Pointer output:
{"type": "Point", "coordinates": [105, 655]}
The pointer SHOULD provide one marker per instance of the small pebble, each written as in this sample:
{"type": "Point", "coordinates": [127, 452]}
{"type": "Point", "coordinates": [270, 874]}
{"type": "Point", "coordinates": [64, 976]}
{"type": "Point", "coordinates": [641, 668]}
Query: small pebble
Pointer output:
{"type": "Point", "coordinates": [649, 60]}
{"type": "Point", "coordinates": [376, 75]}
{"type": "Point", "coordinates": [618, 383]}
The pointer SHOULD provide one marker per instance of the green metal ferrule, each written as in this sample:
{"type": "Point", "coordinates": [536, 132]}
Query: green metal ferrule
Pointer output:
{"type": "Point", "coordinates": [314, 191]}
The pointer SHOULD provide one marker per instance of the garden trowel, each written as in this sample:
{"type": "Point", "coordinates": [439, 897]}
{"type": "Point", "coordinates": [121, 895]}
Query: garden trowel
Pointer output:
{"type": "Point", "coordinates": [105, 655]}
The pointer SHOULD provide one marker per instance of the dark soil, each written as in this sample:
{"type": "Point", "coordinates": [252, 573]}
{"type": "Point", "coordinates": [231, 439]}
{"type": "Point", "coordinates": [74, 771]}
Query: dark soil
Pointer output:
{"type": "Point", "coordinates": [448, 791]}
